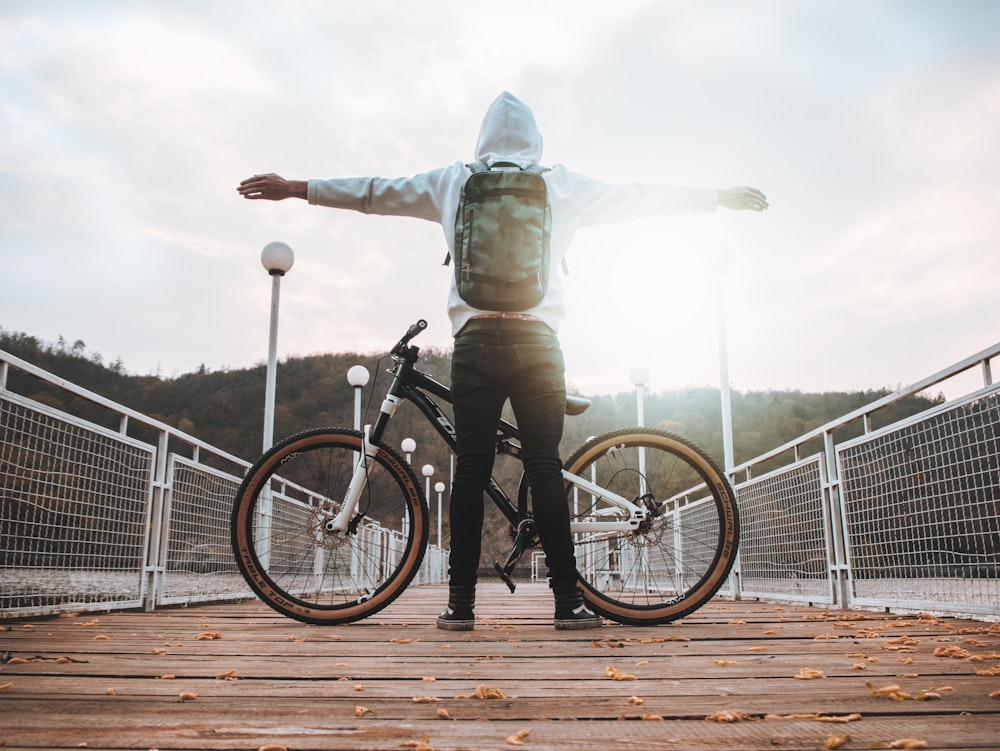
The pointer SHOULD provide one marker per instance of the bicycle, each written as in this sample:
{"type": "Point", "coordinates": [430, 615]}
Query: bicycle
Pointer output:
{"type": "Point", "coordinates": [330, 525]}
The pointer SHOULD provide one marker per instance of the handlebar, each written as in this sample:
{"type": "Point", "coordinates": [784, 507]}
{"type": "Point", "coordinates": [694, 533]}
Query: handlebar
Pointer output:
{"type": "Point", "coordinates": [401, 346]}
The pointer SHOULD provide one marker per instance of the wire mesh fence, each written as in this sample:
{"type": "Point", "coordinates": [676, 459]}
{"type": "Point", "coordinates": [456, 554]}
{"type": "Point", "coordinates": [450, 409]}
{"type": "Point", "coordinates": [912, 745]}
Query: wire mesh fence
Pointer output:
{"type": "Point", "coordinates": [906, 517]}
{"type": "Point", "coordinates": [74, 506]}
{"type": "Point", "coordinates": [784, 544]}
{"type": "Point", "coordinates": [922, 510]}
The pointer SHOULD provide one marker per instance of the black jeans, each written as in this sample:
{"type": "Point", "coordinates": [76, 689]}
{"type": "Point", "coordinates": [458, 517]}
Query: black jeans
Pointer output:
{"type": "Point", "coordinates": [496, 360]}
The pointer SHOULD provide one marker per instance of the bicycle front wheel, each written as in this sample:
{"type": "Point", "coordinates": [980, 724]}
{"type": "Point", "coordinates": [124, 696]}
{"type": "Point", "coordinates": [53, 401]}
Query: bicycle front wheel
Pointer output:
{"type": "Point", "coordinates": [680, 555]}
{"type": "Point", "coordinates": [285, 550]}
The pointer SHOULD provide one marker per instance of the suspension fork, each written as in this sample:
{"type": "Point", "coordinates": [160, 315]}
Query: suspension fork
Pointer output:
{"type": "Point", "coordinates": [346, 519]}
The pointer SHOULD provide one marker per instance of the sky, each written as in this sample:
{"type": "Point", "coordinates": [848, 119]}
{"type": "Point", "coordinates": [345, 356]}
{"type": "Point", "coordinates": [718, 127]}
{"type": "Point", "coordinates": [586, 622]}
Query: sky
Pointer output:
{"type": "Point", "coordinates": [125, 128]}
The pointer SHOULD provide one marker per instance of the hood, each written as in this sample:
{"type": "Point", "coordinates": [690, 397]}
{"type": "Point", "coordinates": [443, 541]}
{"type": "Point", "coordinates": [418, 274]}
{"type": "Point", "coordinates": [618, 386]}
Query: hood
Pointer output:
{"type": "Point", "coordinates": [509, 133]}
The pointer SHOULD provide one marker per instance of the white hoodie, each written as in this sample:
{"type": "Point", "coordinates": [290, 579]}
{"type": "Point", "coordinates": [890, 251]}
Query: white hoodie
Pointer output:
{"type": "Point", "coordinates": [509, 134]}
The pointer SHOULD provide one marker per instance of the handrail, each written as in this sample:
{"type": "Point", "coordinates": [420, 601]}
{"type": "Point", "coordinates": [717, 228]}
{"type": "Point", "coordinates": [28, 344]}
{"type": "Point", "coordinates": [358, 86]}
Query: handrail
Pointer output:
{"type": "Point", "coordinates": [980, 358]}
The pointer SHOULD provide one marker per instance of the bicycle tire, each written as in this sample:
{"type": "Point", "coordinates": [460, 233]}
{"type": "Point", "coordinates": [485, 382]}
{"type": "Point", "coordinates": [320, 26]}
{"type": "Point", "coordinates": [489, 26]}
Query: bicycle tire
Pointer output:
{"type": "Point", "coordinates": [288, 558]}
{"type": "Point", "coordinates": [682, 556]}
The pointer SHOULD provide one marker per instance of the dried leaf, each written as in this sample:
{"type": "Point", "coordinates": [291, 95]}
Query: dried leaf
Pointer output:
{"type": "Point", "coordinates": [853, 717]}
{"type": "Point", "coordinates": [808, 674]}
{"type": "Point", "coordinates": [110, 692]}
{"type": "Point", "coordinates": [893, 692]}
{"type": "Point", "coordinates": [908, 743]}
{"type": "Point", "coordinates": [725, 663]}
{"type": "Point", "coordinates": [651, 717]}
{"type": "Point", "coordinates": [518, 738]}
{"type": "Point", "coordinates": [102, 637]}
{"type": "Point", "coordinates": [483, 693]}
{"type": "Point", "coordinates": [617, 675]}
{"type": "Point", "coordinates": [995, 670]}
{"type": "Point", "coordinates": [422, 745]}
{"type": "Point", "coordinates": [639, 702]}
{"type": "Point", "coordinates": [6, 686]}
{"type": "Point", "coordinates": [835, 741]}
{"type": "Point", "coordinates": [803, 716]}
{"type": "Point", "coordinates": [425, 699]}
{"type": "Point", "coordinates": [208, 636]}
{"type": "Point", "coordinates": [724, 715]}
{"type": "Point", "coordinates": [443, 713]}
{"type": "Point", "coordinates": [360, 711]}
{"type": "Point", "coordinates": [227, 675]}
{"type": "Point", "coordinates": [272, 747]}
{"type": "Point", "coordinates": [188, 696]}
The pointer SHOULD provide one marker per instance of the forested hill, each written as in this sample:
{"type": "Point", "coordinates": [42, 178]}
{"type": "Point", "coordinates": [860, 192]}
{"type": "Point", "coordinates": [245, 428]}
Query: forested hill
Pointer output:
{"type": "Point", "coordinates": [225, 408]}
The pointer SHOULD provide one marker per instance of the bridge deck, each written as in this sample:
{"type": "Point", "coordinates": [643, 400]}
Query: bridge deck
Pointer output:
{"type": "Point", "coordinates": [772, 672]}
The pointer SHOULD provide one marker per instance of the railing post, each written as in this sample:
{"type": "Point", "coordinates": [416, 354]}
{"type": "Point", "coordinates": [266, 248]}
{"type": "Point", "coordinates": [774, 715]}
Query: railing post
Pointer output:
{"type": "Point", "coordinates": [156, 549]}
{"type": "Point", "coordinates": [836, 526]}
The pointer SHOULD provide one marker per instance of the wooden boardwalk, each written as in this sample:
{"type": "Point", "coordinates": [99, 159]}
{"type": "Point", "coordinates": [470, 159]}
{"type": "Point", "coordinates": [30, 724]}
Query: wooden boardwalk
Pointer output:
{"type": "Point", "coordinates": [733, 675]}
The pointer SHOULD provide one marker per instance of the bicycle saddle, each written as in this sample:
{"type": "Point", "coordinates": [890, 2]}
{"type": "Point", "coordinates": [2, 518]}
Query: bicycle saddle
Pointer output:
{"type": "Point", "coordinates": [576, 405]}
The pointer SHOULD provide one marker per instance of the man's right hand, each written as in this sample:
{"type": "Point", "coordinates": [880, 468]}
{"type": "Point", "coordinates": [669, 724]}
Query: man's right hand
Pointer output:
{"type": "Point", "coordinates": [272, 187]}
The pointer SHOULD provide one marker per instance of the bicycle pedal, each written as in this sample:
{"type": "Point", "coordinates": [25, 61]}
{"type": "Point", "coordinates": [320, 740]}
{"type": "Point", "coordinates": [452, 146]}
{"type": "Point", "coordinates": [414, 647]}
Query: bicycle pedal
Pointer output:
{"type": "Point", "coordinates": [504, 575]}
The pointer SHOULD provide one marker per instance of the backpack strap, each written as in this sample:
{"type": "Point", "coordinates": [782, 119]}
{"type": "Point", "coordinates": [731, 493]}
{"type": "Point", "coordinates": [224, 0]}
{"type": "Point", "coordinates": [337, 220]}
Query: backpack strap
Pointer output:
{"type": "Point", "coordinates": [475, 167]}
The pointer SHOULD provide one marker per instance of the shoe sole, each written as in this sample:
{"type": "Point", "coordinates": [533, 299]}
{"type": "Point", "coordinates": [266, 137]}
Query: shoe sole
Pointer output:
{"type": "Point", "coordinates": [456, 625]}
{"type": "Point", "coordinates": [578, 625]}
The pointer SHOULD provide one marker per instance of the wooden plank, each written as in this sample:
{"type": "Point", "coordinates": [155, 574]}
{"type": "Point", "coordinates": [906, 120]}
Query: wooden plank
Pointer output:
{"type": "Point", "coordinates": [300, 686]}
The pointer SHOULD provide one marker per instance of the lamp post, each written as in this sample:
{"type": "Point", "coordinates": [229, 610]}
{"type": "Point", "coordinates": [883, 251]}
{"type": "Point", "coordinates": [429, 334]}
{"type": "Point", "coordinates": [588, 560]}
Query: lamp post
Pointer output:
{"type": "Point", "coordinates": [277, 258]}
{"type": "Point", "coordinates": [409, 446]}
{"type": "Point", "coordinates": [439, 489]}
{"type": "Point", "coordinates": [427, 470]}
{"type": "Point", "coordinates": [722, 259]}
{"type": "Point", "coordinates": [639, 375]}
{"type": "Point", "coordinates": [357, 376]}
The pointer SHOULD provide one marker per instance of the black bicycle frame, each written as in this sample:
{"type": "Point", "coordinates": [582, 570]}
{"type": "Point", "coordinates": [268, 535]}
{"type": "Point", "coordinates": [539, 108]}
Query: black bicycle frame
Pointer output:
{"type": "Point", "coordinates": [409, 384]}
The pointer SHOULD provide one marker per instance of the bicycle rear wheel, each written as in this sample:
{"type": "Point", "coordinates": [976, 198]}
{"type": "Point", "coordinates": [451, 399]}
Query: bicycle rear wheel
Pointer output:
{"type": "Point", "coordinates": [298, 567]}
{"type": "Point", "coordinates": [681, 555]}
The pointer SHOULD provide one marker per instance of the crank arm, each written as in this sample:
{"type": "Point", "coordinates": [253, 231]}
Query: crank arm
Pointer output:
{"type": "Point", "coordinates": [522, 540]}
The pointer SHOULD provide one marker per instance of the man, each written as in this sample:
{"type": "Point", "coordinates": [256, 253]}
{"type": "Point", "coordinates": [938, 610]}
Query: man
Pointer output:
{"type": "Point", "coordinates": [501, 356]}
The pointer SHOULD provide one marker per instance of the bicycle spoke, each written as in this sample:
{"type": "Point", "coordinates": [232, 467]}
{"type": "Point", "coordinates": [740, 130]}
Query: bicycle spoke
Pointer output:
{"type": "Point", "coordinates": [288, 549]}
{"type": "Point", "coordinates": [676, 558]}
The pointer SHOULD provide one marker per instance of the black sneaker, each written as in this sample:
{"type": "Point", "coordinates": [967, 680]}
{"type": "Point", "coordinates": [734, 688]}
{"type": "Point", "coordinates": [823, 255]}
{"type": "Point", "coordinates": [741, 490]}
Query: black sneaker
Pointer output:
{"type": "Point", "coordinates": [570, 618]}
{"type": "Point", "coordinates": [460, 619]}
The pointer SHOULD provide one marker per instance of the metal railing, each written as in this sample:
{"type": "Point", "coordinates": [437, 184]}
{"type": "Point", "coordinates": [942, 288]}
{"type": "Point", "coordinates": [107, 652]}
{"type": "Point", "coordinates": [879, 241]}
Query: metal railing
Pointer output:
{"type": "Point", "coordinates": [98, 518]}
{"type": "Point", "coordinates": [905, 517]}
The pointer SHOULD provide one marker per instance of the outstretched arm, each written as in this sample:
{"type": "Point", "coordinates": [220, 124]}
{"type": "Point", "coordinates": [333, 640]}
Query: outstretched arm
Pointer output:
{"type": "Point", "coordinates": [742, 198]}
{"type": "Point", "coordinates": [272, 187]}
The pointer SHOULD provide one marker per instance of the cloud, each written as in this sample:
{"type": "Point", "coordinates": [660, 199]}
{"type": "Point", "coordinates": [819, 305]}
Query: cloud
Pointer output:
{"type": "Point", "coordinates": [124, 130]}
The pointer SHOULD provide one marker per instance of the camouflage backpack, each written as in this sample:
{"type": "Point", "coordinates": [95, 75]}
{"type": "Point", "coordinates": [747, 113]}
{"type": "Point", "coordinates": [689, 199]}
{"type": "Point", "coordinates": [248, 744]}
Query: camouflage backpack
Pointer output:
{"type": "Point", "coordinates": [502, 237]}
